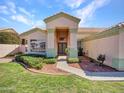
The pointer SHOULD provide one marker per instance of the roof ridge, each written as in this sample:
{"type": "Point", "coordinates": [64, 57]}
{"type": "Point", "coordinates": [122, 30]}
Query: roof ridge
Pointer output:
{"type": "Point", "coordinates": [50, 18]}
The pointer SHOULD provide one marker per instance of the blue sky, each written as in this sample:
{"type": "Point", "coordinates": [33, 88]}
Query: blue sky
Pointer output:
{"type": "Point", "coordinates": [22, 15]}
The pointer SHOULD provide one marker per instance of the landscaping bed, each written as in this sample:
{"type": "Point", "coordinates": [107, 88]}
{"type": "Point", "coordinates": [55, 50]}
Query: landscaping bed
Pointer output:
{"type": "Point", "coordinates": [49, 69]}
{"type": "Point", "coordinates": [35, 61]}
{"type": "Point", "coordinates": [40, 64]}
{"type": "Point", "coordinates": [87, 65]}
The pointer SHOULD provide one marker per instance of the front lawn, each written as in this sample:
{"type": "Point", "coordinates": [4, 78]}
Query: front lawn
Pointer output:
{"type": "Point", "coordinates": [15, 79]}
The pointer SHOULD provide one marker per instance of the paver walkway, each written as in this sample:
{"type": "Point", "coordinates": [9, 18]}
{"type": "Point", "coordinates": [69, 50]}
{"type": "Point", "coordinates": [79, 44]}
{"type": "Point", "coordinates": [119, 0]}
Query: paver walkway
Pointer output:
{"type": "Point", "coordinates": [113, 76]}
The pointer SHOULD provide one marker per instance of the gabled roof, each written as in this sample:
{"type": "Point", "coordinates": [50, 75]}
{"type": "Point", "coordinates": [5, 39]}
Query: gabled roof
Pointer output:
{"type": "Point", "coordinates": [32, 31]}
{"type": "Point", "coordinates": [61, 14]}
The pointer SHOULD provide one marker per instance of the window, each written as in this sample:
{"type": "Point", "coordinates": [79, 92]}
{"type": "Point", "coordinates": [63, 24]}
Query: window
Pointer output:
{"type": "Point", "coordinates": [37, 45]}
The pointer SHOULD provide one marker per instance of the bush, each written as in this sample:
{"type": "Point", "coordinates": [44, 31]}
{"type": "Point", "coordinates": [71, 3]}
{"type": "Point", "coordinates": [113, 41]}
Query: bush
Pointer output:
{"type": "Point", "coordinates": [18, 58]}
{"type": "Point", "coordinates": [38, 66]}
{"type": "Point", "coordinates": [9, 38]}
{"type": "Point", "coordinates": [34, 62]}
{"type": "Point", "coordinates": [35, 55]}
{"type": "Point", "coordinates": [73, 60]}
{"type": "Point", "coordinates": [49, 60]}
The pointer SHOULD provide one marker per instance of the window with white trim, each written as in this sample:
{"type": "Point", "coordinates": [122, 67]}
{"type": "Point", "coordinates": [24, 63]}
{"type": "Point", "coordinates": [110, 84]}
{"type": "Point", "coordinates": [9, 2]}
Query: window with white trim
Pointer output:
{"type": "Point", "coordinates": [37, 45]}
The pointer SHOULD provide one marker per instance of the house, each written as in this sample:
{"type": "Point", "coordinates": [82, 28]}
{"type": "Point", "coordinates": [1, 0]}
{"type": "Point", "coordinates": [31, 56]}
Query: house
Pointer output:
{"type": "Point", "coordinates": [63, 32]}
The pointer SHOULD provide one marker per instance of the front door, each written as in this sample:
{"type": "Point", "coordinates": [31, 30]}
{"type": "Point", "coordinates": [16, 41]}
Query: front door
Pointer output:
{"type": "Point", "coordinates": [61, 48]}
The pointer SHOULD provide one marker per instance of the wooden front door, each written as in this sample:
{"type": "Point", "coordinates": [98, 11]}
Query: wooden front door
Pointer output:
{"type": "Point", "coordinates": [61, 48]}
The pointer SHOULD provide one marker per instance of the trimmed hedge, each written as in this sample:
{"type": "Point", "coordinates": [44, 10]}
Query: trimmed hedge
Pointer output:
{"type": "Point", "coordinates": [34, 61]}
{"type": "Point", "coordinates": [73, 60]}
{"type": "Point", "coordinates": [49, 60]}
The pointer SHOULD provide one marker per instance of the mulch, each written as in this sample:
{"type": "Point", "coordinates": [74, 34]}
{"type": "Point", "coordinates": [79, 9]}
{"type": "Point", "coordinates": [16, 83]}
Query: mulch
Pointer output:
{"type": "Point", "coordinates": [49, 69]}
{"type": "Point", "coordinates": [86, 65]}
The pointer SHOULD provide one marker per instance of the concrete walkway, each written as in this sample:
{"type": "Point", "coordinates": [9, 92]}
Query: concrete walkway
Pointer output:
{"type": "Point", "coordinates": [106, 76]}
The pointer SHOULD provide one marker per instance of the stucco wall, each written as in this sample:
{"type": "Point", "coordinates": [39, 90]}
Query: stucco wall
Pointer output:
{"type": "Point", "coordinates": [61, 22]}
{"type": "Point", "coordinates": [38, 35]}
{"type": "Point", "coordinates": [6, 49]}
{"type": "Point", "coordinates": [121, 45]}
{"type": "Point", "coordinates": [108, 46]}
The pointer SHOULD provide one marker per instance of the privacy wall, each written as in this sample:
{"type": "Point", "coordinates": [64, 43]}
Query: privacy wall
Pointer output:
{"type": "Point", "coordinates": [7, 49]}
{"type": "Point", "coordinates": [110, 43]}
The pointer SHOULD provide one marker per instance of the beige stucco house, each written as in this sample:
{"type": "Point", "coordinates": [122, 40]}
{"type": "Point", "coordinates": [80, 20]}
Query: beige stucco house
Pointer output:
{"type": "Point", "coordinates": [62, 31]}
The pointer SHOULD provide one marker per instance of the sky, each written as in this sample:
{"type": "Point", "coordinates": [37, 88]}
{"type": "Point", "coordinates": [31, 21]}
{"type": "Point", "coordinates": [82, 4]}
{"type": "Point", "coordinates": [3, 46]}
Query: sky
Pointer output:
{"type": "Point", "coordinates": [23, 15]}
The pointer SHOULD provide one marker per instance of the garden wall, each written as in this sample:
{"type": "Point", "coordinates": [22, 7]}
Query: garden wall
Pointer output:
{"type": "Point", "coordinates": [110, 43]}
{"type": "Point", "coordinates": [6, 49]}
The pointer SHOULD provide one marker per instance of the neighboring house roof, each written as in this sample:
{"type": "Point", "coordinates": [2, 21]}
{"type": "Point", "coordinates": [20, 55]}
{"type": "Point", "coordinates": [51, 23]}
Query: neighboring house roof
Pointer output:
{"type": "Point", "coordinates": [32, 31]}
{"type": "Point", "coordinates": [90, 30]}
{"type": "Point", "coordinates": [85, 32]}
{"type": "Point", "coordinates": [61, 14]}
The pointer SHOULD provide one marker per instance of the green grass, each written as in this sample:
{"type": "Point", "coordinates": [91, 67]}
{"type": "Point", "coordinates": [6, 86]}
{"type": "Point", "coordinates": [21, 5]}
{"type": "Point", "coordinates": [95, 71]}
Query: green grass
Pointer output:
{"type": "Point", "coordinates": [15, 79]}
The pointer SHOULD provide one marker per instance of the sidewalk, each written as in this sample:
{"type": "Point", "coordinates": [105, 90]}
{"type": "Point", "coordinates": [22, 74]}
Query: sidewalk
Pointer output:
{"type": "Point", "coordinates": [106, 76]}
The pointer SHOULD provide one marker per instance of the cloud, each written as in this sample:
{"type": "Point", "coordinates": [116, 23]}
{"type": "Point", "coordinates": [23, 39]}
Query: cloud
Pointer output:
{"type": "Point", "coordinates": [24, 11]}
{"type": "Point", "coordinates": [39, 23]}
{"type": "Point", "coordinates": [73, 3]}
{"type": "Point", "coordinates": [12, 7]}
{"type": "Point", "coordinates": [87, 12]}
{"type": "Point", "coordinates": [4, 19]}
{"type": "Point", "coordinates": [22, 19]}
{"type": "Point", "coordinates": [9, 8]}
{"type": "Point", "coordinates": [4, 9]}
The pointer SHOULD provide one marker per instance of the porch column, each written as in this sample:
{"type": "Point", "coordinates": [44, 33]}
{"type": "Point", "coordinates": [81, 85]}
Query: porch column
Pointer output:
{"type": "Point", "coordinates": [73, 43]}
{"type": "Point", "coordinates": [51, 51]}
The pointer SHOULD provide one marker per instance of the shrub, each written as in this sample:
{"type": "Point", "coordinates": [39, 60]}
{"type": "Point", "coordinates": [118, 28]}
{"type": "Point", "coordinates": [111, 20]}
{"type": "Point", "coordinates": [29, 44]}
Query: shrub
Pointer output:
{"type": "Point", "coordinates": [73, 60]}
{"type": "Point", "coordinates": [34, 62]}
{"type": "Point", "coordinates": [49, 60]}
{"type": "Point", "coordinates": [19, 58]}
{"type": "Point", "coordinates": [38, 66]}
{"type": "Point", "coordinates": [35, 55]}
{"type": "Point", "coordinates": [9, 38]}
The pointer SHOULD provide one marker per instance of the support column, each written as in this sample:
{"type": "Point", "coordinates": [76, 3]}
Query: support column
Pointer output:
{"type": "Point", "coordinates": [51, 51]}
{"type": "Point", "coordinates": [73, 43]}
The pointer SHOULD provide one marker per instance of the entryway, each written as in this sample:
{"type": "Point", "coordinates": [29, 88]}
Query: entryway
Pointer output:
{"type": "Point", "coordinates": [62, 40]}
{"type": "Point", "coordinates": [61, 48]}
